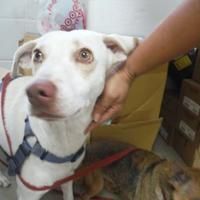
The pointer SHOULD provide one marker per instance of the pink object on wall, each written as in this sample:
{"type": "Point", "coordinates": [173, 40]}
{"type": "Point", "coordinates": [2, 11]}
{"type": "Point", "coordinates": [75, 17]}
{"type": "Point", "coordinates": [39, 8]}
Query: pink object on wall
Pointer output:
{"type": "Point", "coordinates": [64, 15]}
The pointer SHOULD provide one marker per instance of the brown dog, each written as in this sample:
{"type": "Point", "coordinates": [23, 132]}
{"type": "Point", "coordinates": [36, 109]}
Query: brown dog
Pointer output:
{"type": "Point", "coordinates": [141, 175]}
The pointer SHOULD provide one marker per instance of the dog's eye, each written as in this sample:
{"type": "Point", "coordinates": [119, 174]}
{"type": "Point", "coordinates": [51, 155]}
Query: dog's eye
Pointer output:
{"type": "Point", "coordinates": [84, 56]}
{"type": "Point", "coordinates": [37, 55]}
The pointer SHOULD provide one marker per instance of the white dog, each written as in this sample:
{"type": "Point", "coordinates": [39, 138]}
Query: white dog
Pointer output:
{"type": "Point", "coordinates": [69, 72]}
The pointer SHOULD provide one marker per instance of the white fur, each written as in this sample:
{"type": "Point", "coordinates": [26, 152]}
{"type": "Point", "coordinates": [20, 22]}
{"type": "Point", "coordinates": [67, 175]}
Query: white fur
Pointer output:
{"type": "Point", "coordinates": [78, 89]}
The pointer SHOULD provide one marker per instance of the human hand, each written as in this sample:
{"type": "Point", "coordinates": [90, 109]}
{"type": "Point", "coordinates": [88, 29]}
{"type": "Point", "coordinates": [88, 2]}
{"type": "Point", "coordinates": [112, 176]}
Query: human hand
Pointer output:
{"type": "Point", "coordinates": [110, 103]}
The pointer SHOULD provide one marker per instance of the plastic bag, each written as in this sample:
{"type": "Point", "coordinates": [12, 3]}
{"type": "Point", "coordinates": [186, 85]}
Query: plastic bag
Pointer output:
{"type": "Point", "coordinates": [60, 15]}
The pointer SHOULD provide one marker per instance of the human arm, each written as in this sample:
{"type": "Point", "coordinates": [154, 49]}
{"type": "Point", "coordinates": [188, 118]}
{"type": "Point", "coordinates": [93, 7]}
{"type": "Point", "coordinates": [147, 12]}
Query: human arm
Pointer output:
{"type": "Point", "coordinates": [177, 34]}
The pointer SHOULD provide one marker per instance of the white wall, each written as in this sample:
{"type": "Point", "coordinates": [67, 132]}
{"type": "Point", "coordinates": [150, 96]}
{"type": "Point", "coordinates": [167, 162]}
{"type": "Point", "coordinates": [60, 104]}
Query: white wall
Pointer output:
{"type": "Point", "coordinates": [16, 18]}
{"type": "Point", "coordinates": [19, 16]}
{"type": "Point", "coordinates": [128, 17]}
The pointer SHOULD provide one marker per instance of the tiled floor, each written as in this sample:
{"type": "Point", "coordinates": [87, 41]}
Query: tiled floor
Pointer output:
{"type": "Point", "coordinates": [160, 148]}
{"type": "Point", "coordinates": [165, 151]}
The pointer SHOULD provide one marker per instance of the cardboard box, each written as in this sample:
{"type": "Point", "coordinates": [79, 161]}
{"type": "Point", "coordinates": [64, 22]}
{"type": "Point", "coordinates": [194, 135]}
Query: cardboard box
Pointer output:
{"type": "Point", "coordinates": [196, 162]}
{"type": "Point", "coordinates": [182, 67]}
{"type": "Point", "coordinates": [139, 121]}
{"type": "Point", "coordinates": [169, 107]}
{"type": "Point", "coordinates": [169, 103]}
{"type": "Point", "coordinates": [196, 73]}
{"type": "Point", "coordinates": [167, 132]}
{"type": "Point", "coordinates": [188, 124]}
{"type": "Point", "coordinates": [187, 132]}
{"type": "Point", "coordinates": [190, 98]}
{"type": "Point", "coordinates": [185, 148]}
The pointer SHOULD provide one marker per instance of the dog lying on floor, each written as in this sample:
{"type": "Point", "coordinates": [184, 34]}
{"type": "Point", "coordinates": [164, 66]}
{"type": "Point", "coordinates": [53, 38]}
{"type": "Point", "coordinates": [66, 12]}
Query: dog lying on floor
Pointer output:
{"type": "Point", "coordinates": [49, 111]}
{"type": "Point", "coordinates": [141, 175]}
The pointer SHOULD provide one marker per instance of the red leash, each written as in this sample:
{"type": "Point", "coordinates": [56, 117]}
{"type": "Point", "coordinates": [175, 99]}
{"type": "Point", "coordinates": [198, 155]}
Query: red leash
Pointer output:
{"type": "Point", "coordinates": [82, 172]}
{"type": "Point", "coordinates": [6, 80]}
{"type": "Point", "coordinates": [79, 173]}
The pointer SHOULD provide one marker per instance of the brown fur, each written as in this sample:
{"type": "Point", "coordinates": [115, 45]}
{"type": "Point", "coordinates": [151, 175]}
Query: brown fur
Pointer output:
{"type": "Point", "coordinates": [141, 175]}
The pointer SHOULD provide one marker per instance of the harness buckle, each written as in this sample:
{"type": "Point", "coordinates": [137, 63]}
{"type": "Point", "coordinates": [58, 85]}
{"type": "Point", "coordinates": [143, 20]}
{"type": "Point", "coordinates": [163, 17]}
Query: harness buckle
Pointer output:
{"type": "Point", "coordinates": [39, 151]}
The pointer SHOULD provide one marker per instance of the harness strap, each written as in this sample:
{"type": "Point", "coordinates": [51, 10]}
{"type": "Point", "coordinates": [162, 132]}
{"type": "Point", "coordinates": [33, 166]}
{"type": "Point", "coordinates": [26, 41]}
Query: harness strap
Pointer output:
{"type": "Point", "coordinates": [16, 161]}
{"type": "Point", "coordinates": [43, 154]}
{"type": "Point", "coordinates": [81, 172]}
{"type": "Point", "coordinates": [25, 149]}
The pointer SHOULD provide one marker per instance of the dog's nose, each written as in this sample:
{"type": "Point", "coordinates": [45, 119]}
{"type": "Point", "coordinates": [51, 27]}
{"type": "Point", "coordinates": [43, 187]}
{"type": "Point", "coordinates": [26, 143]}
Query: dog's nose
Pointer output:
{"type": "Point", "coordinates": [41, 92]}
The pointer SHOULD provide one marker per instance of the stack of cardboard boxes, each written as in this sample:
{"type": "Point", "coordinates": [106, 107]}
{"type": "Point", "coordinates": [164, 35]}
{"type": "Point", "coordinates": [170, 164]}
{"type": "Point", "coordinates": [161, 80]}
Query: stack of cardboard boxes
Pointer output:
{"type": "Point", "coordinates": [181, 118]}
{"type": "Point", "coordinates": [179, 69]}
{"type": "Point", "coordinates": [187, 134]}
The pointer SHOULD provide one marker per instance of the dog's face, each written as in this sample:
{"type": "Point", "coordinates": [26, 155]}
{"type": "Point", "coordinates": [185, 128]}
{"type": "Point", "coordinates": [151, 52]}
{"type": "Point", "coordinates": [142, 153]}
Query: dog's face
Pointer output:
{"type": "Point", "coordinates": [69, 69]}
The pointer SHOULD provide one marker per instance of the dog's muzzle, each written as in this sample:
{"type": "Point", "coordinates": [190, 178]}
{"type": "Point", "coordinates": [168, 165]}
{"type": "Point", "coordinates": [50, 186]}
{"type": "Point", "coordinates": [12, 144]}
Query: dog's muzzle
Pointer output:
{"type": "Point", "coordinates": [42, 97]}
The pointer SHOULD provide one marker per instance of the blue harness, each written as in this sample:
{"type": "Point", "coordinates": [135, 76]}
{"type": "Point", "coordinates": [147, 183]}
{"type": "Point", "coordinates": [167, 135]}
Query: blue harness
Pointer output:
{"type": "Point", "coordinates": [25, 149]}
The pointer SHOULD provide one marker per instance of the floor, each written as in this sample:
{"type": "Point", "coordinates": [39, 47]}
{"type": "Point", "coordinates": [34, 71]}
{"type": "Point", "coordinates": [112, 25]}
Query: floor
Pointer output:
{"type": "Point", "coordinates": [160, 148]}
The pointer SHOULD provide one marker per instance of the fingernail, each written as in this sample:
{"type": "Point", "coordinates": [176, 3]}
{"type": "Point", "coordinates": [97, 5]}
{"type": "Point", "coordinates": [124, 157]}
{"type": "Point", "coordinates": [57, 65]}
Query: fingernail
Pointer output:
{"type": "Point", "coordinates": [107, 122]}
{"type": "Point", "coordinates": [96, 117]}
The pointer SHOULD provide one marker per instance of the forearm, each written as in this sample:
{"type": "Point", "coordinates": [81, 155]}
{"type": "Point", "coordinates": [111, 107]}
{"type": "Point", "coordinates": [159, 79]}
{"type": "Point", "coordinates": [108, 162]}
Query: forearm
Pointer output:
{"type": "Point", "coordinates": [177, 34]}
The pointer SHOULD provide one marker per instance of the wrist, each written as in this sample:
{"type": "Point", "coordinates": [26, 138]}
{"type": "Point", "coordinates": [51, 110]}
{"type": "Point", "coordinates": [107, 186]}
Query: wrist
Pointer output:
{"type": "Point", "coordinates": [128, 74]}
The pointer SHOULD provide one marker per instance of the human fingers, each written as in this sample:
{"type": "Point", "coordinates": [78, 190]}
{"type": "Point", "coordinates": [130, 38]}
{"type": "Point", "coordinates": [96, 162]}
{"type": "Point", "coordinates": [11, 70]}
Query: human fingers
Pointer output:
{"type": "Point", "coordinates": [103, 104]}
{"type": "Point", "coordinates": [107, 115]}
{"type": "Point", "coordinates": [91, 127]}
{"type": "Point", "coordinates": [110, 113]}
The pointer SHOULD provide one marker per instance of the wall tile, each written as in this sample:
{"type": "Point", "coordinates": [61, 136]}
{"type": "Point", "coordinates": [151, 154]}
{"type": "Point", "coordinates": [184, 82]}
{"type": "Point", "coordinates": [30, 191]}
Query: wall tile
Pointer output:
{"type": "Point", "coordinates": [12, 8]}
{"type": "Point", "coordinates": [32, 9]}
{"type": "Point", "coordinates": [31, 26]}
{"type": "Point", "coordinates": [10, 32]}
{"type": "Point", "coordinates": [6, 63]}
{"type": "Point", "coordinates": [19, 16]}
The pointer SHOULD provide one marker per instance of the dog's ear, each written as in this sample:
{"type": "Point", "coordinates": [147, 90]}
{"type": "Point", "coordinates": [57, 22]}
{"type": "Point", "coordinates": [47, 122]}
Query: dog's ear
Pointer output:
{"type": "Point", "coordinates": [179, 179]}
{"type": "Point", "coordinates": [119, 48]}
{"type": "Point", "coordinates": [22, 58]}
{"type": "Point", "coordinates": [185, 183]}
{"type": "Point", "coordinates": [178, 175]}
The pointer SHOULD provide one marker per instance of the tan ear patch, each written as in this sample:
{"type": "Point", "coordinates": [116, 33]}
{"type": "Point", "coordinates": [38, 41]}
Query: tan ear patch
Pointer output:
{"type": "Point", "coordinates": [22, 58]}
{"type": "Point", "coordinates": [113, 45]}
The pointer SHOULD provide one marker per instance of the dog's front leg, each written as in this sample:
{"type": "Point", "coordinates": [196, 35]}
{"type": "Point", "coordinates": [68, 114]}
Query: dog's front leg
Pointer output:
{"type": "Point", "coordinates": [4, 182]}
{"type": "Point", "coordinates": [67, 190]}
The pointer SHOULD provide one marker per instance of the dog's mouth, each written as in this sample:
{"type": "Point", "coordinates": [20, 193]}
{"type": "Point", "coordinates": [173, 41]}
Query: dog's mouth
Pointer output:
{"type": "Point", "coordinates": [51, 116]}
